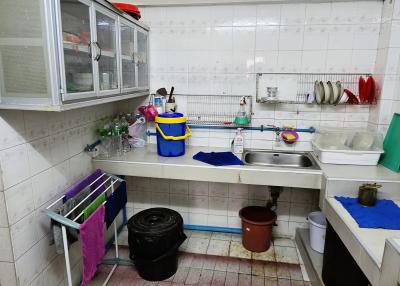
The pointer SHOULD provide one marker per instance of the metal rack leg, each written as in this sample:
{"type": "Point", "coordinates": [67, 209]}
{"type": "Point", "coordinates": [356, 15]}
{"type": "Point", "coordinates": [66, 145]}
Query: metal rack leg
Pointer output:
{"type": "Point", "coordinates": [66, 254]}
{"type": "Point", "coordinates": [116, 254]}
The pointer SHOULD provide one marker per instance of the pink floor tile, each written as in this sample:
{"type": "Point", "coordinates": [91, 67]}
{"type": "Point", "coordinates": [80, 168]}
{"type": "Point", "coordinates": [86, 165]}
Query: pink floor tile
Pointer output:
{"type": "Point", "coordinates": [193, 276]}
{"type": "Point", "coordinates": [297, 283]}
{"type": "Point", "coordinates": [270, 281]}
{"type": "Point", "coordinates": [206, 277]}
{"type": "Point", "coordinates": [218, 278]}
{"type": "Point", "coordinates": [180, 275]}
{"type": "Point", "coordinates": [257, 268]}
{"type": "Point", "coordinates": [198, 261]}
{"type": "Point", "coordinates": [233, 265]}
{"type": "Point", "coordinates": [209, 262]}
{"type": "Point", "coordinates": [257, 280]}
{"type": "Point", "coordinates": [185, 259]}
{"type": "Point", "coordinates": [283, 282]}
{"type": "Point", "coordinates": [245, 266]}
{"type": "Point", "coordinates": [295, 272]}
{"type": "Point", "coordinates": [221, 263]}
{"type": "Point", "coordinates": [231, 279]}
{"type": "Point", "coordinates": [270, 269]}
{"type": "Point", "coordinates": [164, 283]}
{"type": "Point", "coordinates": [244, 280]}
{"type": "Point", "coordinates": [282, 270]}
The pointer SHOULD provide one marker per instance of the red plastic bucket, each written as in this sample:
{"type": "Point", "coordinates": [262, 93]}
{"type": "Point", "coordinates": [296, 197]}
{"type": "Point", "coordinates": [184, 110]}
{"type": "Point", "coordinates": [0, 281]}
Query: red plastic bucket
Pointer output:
{"type": "Point", "coordinates": [257, 225]}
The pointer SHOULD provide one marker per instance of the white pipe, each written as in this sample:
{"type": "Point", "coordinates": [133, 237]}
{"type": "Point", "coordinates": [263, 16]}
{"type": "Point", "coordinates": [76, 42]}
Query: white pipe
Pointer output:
{"type": "Point", "coordinates": [66, 254]}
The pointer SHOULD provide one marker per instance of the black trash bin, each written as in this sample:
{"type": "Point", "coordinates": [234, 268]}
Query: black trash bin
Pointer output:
{"type": "Point", "coordinates": [154, 236]}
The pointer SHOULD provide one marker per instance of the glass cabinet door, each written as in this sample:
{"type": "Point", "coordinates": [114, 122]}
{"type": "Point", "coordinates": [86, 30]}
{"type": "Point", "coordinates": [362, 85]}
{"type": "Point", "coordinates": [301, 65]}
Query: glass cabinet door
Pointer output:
{"type": "Point", "coordinates": [142, 59]}
{"type": "Point", "coordinates": [77, 56]}
{"type": "Point", "coordinates": [128, 56]}
{"type": "Point", "coordinates": [106, 42]}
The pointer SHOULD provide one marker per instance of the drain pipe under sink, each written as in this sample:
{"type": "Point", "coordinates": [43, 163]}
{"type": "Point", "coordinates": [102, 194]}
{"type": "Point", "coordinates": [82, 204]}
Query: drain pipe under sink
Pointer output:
{"type": "Point", "coordinates": [275, 192]}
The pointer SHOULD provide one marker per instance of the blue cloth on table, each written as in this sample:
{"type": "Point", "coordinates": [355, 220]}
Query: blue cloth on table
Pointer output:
{"type": "Point", "coordinates": [115, 202]}
{"type": "Point", "coordinates": [218, 158]}
{"type": "Point", "coordinates": [385, 214]}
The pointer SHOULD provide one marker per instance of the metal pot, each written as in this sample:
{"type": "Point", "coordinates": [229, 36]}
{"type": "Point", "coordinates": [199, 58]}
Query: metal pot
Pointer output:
{"type": "Point", "coordinates": [367, 194]}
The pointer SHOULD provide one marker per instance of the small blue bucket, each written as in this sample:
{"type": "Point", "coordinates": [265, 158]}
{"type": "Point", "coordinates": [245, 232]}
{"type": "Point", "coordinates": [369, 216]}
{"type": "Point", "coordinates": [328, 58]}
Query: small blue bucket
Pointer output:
{"type": "Point", "coordinates": [171, 134]}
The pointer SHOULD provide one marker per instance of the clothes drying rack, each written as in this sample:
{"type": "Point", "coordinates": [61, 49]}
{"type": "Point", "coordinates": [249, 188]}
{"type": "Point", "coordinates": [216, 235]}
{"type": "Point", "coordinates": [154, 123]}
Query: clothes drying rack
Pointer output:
{"type": "Point", "coordinates": [109, 182]}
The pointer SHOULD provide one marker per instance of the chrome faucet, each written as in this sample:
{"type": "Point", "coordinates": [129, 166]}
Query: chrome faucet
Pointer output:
{"type": "Point", "coordinates": [277, 131]}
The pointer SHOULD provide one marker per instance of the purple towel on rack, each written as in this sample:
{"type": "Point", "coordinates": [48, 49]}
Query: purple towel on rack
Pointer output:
{"type": "Point", "coordinates": [75, 189]}
{"type": "Point", "coordinates": [92, 243]}
{"type": "Point", "coordinates": [115, 202]}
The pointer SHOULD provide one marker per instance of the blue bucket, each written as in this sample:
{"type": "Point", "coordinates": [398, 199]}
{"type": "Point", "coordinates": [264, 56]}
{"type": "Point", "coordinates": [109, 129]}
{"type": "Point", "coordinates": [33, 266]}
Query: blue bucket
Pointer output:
{"type": "Point", "coordinates": [171, 134]}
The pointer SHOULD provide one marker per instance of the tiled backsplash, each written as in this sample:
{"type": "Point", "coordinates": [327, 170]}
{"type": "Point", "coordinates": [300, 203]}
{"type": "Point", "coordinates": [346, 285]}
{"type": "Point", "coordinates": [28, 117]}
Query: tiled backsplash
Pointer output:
{"type": "Point", "coordinates": [218, 204]}
{"type": "Point", "coordinates": [217, 50]}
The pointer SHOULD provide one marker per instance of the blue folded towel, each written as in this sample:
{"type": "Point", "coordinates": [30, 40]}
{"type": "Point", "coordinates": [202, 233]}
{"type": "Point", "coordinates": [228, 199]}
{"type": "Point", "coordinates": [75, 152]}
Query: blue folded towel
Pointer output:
{"type": "Point", "coordinates": [385, 214]}
{"type": "Point", "coordinates": [218, 158]}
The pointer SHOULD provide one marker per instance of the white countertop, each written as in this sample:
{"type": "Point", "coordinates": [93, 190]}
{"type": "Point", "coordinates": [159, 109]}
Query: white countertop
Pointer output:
{"type": "Point", "coordinates": [360, 173]}
{"type": "Point", "coordinates": [373, 240]}
{"type": "Point", "coordinates": [152, 165]}
{"type": "Point", "coordinates": [147, 163]}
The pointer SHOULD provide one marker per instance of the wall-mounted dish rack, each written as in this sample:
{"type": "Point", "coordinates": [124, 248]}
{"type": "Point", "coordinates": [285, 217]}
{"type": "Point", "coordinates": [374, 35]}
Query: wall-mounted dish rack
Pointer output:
{"type": "Point", "coordinates": [294, 87]}
{"type": "Point", "coordinates": [214, 109]}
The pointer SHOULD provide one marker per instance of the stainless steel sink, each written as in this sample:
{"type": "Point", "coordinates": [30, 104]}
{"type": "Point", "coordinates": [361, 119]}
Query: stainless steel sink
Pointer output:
{"type": "Point", "coordinates": [279, 159]}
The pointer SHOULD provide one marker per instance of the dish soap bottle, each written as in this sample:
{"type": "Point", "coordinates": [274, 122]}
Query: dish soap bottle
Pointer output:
{"type": "Point", "coordinates": [238, 142]}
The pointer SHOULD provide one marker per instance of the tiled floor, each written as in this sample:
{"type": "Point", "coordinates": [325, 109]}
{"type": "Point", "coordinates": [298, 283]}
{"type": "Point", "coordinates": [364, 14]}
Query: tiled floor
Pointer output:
{"type": "Point", "coordinates": [203, 269]}
{"type": "Point", "coordinates": [227, 244]}
{"type": "Point", "coordinates": [210, 258]}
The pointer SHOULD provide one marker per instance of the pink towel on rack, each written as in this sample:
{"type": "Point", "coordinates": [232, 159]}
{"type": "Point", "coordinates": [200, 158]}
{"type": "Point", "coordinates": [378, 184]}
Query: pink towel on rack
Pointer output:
{"type": "Point", "coordinates": [92, 243]}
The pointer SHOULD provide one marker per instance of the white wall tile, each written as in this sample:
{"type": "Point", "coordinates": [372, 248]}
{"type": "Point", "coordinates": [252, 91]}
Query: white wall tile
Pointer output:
{"type": "Point", "coordinates": [36, 124]}
{"type": "Point", "coordinates": [267, 37]}
{"type": "Point", "coordinates": [12, 127]}
{"type": "Point", "coordinates": [23, 235]}
{"type": "Point", "coordinates": [291, 38]}
{"type": "Point", "coordinates": [318, 13]}
{"type": "Point", "coordinates": [14, 164]}
{"type": "Point", "coordinates": [244, 15]}
{"type": "Point", "coordinates": [293, 14]}
{"type": "Point", "coordinates": [218, 189]}
{"type": "Point", "coordinates": [7, 274]}
{"type": "Point", "coordinates": [3, 211]}
{"type": "Point", "coordinates": [6, 254]}
{"type": "Point", "coordinates": [222, 15]}
{"type": "Point", "coordinates": [268, 15]}
{"type": "Point", "coordinates": [244, 38]}
{"type": "Point", "coordinates": [39, 155]}
{"type": "Point", "coordinates": [316, 37]}
{"type": "Point", "coordinates": [19, 200]}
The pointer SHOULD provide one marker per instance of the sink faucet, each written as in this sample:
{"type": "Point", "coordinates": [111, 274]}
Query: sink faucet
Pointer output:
{"type": "Point", "coordinates": [277, 131]}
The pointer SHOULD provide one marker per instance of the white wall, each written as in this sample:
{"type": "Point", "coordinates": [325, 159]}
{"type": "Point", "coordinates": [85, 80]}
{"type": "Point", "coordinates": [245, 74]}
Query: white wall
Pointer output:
{"type": "Point", "coordinates": [217, 50]}
{"type": "Point", "coordinates": [387, 68]}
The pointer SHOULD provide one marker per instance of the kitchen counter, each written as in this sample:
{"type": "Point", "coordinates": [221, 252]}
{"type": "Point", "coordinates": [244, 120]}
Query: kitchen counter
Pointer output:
{"type": "Point", "coordinates": [145, 162]}
{"type": "Point", "coordinates": [366, 245]}
{"type": "Point", "coordinates": [360, 173]}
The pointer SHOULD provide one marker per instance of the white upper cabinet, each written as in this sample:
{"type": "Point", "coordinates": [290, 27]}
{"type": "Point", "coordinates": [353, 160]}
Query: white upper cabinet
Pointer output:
{"type": "Point", "coordinates": [63, 54]}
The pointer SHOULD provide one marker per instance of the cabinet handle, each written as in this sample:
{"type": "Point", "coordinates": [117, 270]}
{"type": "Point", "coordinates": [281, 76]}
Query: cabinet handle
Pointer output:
{"type": "Point", "coordinates": [90, 49]}
{"type": "Point", "coordinates": [98, 56]}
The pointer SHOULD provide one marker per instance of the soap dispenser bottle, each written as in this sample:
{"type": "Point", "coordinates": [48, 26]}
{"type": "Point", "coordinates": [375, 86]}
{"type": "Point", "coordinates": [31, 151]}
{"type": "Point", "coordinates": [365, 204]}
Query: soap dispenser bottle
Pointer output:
{"type": "Point", "coordinates": [238, 142]}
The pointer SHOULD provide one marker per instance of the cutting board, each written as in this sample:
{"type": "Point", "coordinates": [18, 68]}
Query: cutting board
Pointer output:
{"type": "Point", "coordinates": [391, 145]}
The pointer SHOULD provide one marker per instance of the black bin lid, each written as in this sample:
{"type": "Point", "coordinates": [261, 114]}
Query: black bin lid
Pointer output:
{"type": "Point", "coordinates": [155, 221]}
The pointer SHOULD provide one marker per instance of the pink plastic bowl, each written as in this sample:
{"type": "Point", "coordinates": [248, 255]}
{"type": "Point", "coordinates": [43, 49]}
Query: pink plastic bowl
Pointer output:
{"type": "Point", "coordinates": [287, 141]}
